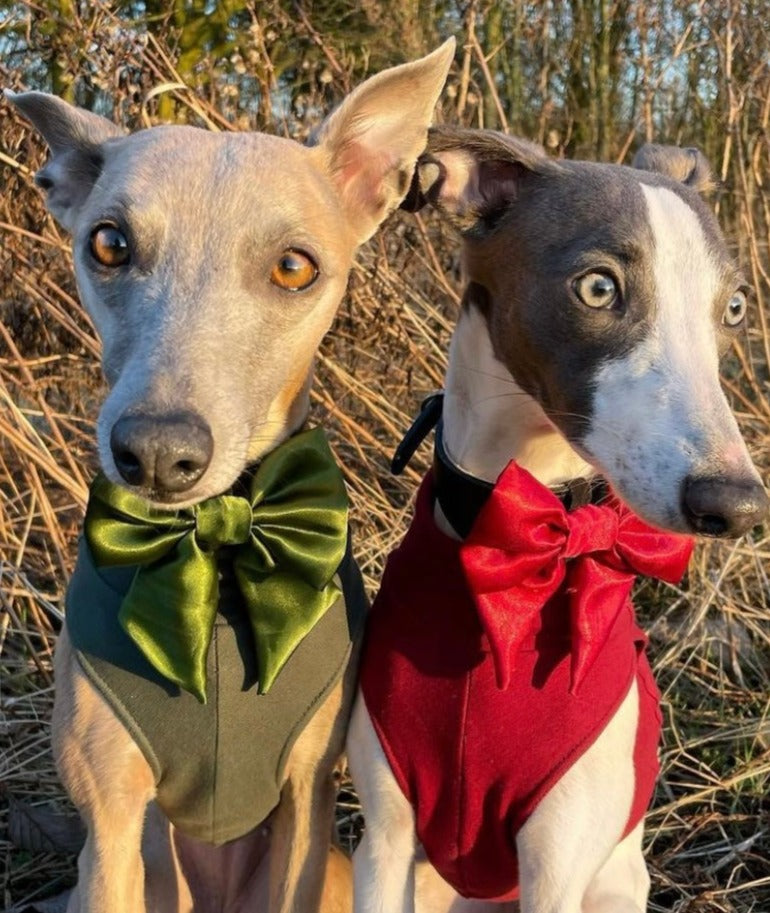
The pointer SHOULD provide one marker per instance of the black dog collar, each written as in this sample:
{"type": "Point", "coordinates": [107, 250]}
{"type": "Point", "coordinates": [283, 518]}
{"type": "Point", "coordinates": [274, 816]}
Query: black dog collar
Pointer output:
{"type": "Point", "coordinates": [461, 495]}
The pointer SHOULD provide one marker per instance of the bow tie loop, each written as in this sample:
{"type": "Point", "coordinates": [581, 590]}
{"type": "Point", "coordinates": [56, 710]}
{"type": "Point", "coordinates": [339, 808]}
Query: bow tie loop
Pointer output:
{"type": "Point", "coordinates": [225, 520]}
{"type": "Point", "coordinates": [288, 539]}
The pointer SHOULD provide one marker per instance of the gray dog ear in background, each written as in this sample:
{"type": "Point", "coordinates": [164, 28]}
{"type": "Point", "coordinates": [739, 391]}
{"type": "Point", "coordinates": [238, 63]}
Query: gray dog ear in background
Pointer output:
{"type": "Point", "coordinates": [74, 137]}
{"type": "Point", "coordinates": [472, 176]}
{"type": "Point", "coordinates": [688, 166]}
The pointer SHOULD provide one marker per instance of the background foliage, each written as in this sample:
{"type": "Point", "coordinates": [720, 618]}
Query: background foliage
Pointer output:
{"type": "Point", "coordinates": [587, 78]}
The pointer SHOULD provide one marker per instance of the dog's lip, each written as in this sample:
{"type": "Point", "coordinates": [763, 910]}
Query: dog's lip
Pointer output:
{"type": "Point", "coordinates": [165, 500]}
{"type": "Point", "coordinates": [168, 501]}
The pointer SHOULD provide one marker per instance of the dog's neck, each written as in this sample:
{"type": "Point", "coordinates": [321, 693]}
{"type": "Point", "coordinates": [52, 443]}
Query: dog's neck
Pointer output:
{"type": "Point", "coordinates": [489, 420]}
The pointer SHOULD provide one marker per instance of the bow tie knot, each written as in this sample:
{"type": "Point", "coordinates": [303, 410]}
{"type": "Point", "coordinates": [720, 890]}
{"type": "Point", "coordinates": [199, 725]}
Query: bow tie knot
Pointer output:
{"type": "Point", "coordinates": [590, 529]}
{"type": "Point", "coordinates": [525, 548]}
{"type": "Point", "coordinates": [225, 520]}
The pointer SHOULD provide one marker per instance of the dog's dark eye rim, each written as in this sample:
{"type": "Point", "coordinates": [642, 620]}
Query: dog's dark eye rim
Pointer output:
{"type": "Point", "coordinates": [736, 309]}
{"type": "Point", "coordinates": [585, 289]}
{"type": "Point", "coordinates": [294, 271]}
{"type": "Point", "coordinates": [108, 245]}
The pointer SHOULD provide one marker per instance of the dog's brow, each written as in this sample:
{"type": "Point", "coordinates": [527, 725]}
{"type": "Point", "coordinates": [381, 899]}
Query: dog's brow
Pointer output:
{"type": "Point", "coordinates": [734, 278]}
{"type": "Point", "coordinates": [119, 210]}
{"type": "Point", "coordinates": [578, 254]}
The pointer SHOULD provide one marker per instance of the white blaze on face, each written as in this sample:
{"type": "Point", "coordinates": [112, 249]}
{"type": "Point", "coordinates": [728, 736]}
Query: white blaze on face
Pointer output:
{"type": "Point", "coordinates": [659, 412]}
{"type": "Point", "coordinates": [687, 282]}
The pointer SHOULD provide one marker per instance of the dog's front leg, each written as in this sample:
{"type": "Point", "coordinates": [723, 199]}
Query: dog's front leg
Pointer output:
{"type": "Point", "coordinates": [300, 843]}
{"type": "Point", "coordinates": [302, 824]}
{"type": "Point", "coordinates": [384, 863]}
{"type": "Point", "coordinates": [110, 782]}
{"type": "Point", "coordinates": [623, 883]}
{"type": "Point", "coordinates": [567, 849]}
{"type": "Point", "coordinates": [110, 870]}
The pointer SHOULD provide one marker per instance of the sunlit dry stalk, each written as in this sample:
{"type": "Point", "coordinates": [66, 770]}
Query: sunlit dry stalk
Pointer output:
{"type": "Point", "coordinates": [707, 837]}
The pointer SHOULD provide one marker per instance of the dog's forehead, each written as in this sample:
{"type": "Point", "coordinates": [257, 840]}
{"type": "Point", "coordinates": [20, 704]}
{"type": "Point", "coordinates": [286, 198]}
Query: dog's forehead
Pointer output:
{"type": "Point", "coordinates": [595, 206]}
{"type": "Point", "coordinates": [236, 176]}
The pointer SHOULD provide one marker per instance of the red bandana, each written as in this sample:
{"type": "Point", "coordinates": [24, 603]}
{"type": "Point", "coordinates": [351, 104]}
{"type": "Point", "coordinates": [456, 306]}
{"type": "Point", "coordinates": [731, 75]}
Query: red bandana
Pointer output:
{"type": "Point", "coordinates": [524, 544]}
{"type": "Point", "coordinates": [491, 666]}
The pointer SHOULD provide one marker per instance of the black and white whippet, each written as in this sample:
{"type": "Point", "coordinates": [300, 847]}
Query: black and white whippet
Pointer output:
{"type": "Point", "coordinates": [598, 301]}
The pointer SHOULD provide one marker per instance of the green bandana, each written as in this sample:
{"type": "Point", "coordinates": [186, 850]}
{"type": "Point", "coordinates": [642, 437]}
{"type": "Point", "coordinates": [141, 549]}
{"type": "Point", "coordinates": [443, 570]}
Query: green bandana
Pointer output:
{"type": "Point", "coordinates": [288, 539]}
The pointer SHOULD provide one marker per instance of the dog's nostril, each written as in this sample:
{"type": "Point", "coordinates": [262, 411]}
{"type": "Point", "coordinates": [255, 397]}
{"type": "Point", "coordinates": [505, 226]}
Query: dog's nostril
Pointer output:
{"type": "Point", "coordinates": [177, 472]}
{"type": "Point", "coordinates": [167, 453]}
{"type": "Point", "coordinates": [129, 466]}
{"type": "Point", "coordinates": [712, 525]}
{"type": "Point", "coordinates": [723, 507]}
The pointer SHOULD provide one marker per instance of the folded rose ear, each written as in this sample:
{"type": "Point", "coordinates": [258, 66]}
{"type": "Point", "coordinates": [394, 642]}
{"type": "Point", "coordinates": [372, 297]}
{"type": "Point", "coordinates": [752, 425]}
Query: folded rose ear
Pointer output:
{"type": "Point", "coordinates": [473, 176]}
{"type": "Point", "coordinates": [74, 137]}
{"type": "Point", "coordinates": [372, 141]}
{"type": "Point", "coordinates": [688, 166]}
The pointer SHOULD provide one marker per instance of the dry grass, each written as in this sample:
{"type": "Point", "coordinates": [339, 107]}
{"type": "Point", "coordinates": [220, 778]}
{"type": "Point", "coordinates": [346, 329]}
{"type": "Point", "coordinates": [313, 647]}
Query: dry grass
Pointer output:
{"type": "Point", "coordinates": [708, 835]}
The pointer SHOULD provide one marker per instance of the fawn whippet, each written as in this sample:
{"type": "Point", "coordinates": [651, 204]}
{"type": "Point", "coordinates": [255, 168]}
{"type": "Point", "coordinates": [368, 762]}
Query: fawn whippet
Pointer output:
{"type": "Point", "coordinates": [212, 265]}
{"type": "Point", "coordinates": [597, 302]}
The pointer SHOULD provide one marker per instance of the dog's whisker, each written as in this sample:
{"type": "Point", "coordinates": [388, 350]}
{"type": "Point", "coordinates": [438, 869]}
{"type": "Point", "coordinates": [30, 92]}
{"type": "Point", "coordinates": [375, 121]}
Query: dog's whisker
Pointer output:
{"type": "Point", "coordinates": [497, 396]}
{"type": "Point", "coordinates": [472, 369]}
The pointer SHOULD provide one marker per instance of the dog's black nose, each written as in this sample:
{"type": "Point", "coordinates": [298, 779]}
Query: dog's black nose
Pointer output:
{"type": "Point", "coordinates": [718, 506]}
{"type": "Point", "coordinates": [167, 453]}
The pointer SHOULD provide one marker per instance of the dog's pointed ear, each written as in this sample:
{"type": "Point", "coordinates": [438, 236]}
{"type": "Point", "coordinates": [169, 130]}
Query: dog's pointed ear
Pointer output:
{"type": "Point", "coordinates": [75, 138]}
{"type": "Point", "coordinates": [688, 166]}
{"type": "Point", "coordinates": [473, 176]}
{"type": "Point", "coordinates": [372, 141]}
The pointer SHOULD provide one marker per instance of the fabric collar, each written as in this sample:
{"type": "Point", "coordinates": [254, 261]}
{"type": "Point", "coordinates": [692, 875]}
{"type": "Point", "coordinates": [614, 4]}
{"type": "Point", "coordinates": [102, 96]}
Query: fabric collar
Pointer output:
{"type": "Point", "coordinates": [285, 540]}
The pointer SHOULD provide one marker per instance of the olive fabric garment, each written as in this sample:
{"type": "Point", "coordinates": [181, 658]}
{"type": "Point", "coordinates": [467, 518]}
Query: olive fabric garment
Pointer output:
{"type": "Point", "coordinates": [218, 766]}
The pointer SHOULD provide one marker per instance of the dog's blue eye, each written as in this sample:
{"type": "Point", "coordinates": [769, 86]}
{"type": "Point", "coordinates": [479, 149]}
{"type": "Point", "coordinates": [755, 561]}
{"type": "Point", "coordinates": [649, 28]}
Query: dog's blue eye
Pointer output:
{"type": "Point", "coordinates": [109, 246]}
{"type": "Point", "coordinates": [596, 290]}
{"type": "Point", "coordinates": [735, 312]}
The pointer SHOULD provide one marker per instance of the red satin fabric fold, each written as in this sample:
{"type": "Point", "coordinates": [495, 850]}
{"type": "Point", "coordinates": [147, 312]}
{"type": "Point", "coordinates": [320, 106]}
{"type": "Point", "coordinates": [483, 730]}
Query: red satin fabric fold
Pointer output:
{"type": "Point", "coordinates": [525, 546]}
{"type": "Point", "coordinates": [475, 759]}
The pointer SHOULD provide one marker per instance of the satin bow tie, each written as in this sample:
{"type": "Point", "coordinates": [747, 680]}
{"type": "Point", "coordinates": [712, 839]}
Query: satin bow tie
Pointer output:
{"type": "Point", "coordinates": [525, 546]}
{"type": "Point", "coordinates": [287, 540]}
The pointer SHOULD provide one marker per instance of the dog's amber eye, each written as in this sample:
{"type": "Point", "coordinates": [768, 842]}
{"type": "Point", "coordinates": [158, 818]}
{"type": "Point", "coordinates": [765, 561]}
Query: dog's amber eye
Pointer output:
{"type": "Point", "coordinates": [596, 290]}
{"type": "Point", "coordinates": [735, 312]}
{"type": "Point", "coordinates": [294, 271]}
{"type": "Point", "coordinates": [109, 246]}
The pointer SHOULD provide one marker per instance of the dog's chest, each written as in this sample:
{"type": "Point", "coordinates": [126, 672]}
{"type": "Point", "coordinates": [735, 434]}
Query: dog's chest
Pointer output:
{"type": "Point", "coordinates": [219, 766]}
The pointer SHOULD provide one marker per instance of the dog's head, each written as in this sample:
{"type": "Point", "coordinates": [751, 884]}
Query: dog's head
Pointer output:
{"type": "Point", "coordinates": [609, 295]}
{"type": "Point", "coordinates": [213, 263]}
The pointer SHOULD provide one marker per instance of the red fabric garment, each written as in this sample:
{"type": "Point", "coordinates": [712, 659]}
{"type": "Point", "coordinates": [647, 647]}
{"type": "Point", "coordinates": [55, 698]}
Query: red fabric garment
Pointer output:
{"type": "Point", "coordinates": [490, 666]}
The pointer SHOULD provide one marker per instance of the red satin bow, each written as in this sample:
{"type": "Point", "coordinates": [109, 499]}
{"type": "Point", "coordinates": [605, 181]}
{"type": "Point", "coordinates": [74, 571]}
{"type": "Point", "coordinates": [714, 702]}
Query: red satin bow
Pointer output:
{"type": "Point", "coordinates": [524, 546]}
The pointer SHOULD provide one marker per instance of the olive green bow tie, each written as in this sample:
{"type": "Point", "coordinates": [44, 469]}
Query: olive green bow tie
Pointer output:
{"type": "Point", "coordinates": [288, 538]}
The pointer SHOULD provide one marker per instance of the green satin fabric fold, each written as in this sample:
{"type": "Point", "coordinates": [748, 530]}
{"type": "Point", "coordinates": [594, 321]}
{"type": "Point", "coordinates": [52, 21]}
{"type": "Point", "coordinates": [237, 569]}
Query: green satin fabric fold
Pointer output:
{"type": "Point", "coordinates": [287, 539]}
